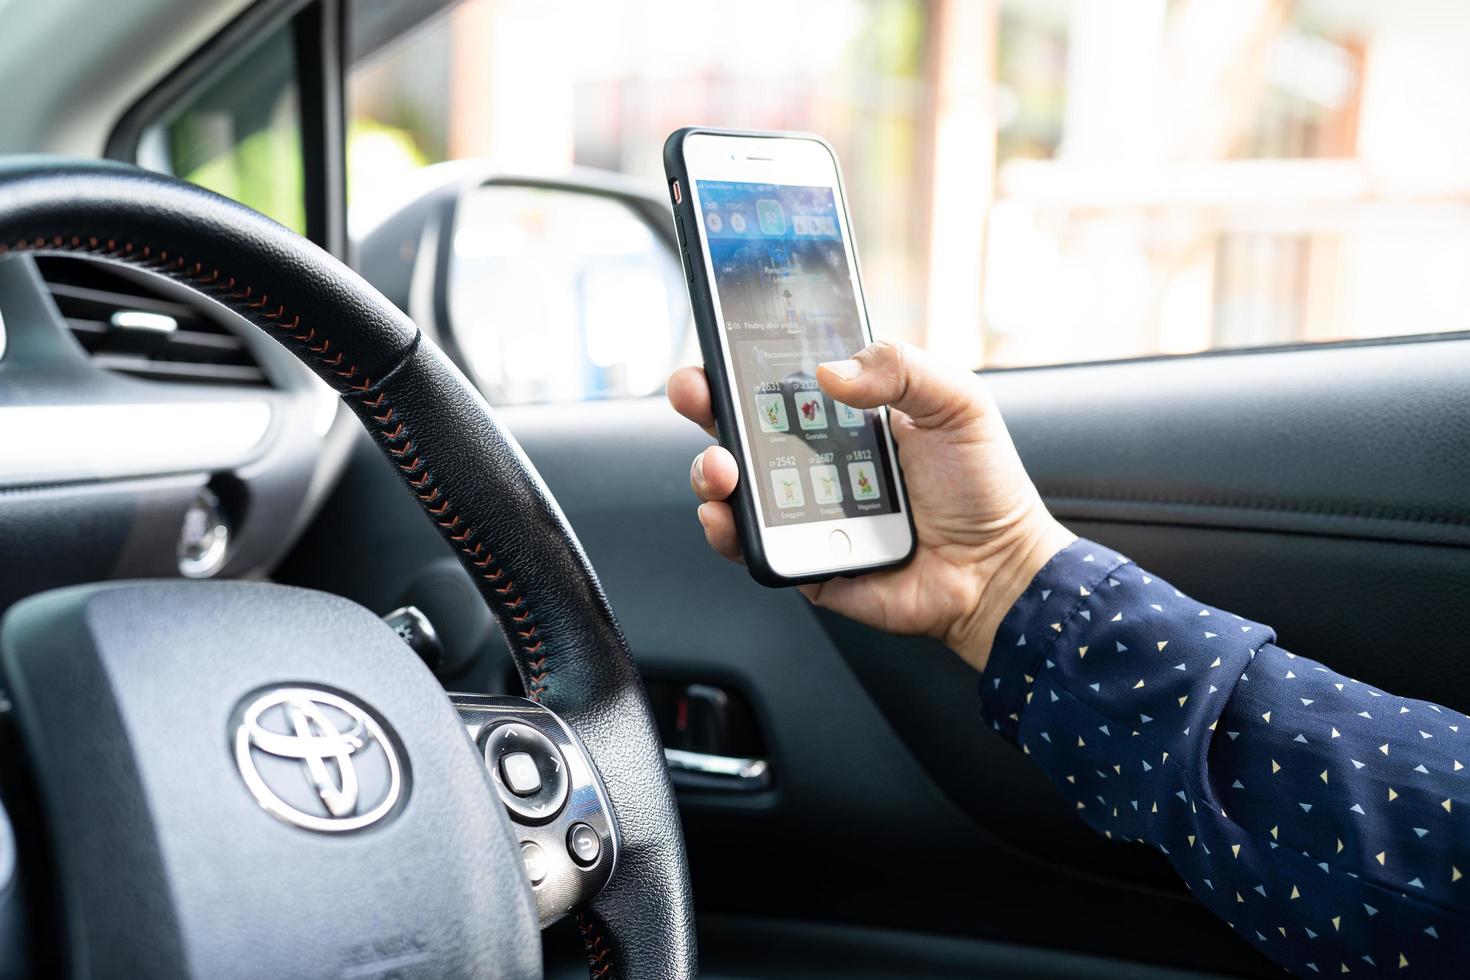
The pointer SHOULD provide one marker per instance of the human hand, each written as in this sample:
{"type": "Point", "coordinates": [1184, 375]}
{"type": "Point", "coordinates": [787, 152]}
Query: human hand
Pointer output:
{"type": "Point", "coordinates": [983, 531]}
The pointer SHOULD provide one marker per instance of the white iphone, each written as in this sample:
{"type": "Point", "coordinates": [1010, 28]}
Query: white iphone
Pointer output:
{"type": "Point", "coordinates": [773, 281]}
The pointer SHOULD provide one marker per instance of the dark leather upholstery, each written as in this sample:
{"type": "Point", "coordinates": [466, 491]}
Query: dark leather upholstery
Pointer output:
{"type": "Point", "coordinates": [468, 473]}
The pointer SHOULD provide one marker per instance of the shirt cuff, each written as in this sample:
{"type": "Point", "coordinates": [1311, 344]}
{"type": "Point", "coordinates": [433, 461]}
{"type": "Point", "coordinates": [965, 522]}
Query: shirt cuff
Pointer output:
{"type": "Point", "coordinates": [1028, 632]}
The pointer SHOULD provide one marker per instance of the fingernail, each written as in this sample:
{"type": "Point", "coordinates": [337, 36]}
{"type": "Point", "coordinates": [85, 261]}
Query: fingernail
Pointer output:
{"type": "Point", "coordinates": [846, 370]}
{"type": "Point", "coordinates": [699, 513]}
{"type": "Point", "coordinates": [699, 468]}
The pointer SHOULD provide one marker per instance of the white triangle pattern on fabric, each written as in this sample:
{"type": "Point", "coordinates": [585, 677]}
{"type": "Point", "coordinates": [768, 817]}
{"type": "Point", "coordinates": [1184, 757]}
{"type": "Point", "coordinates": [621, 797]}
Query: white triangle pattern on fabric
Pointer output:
{"type": "Point", "coordinates": [1333, 709]}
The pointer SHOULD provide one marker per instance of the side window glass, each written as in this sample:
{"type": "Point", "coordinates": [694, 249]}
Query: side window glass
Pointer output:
{"type": "Point", "coordinates": [239, 133]}
{"type": "Point", "coordinates": [1030, 183]}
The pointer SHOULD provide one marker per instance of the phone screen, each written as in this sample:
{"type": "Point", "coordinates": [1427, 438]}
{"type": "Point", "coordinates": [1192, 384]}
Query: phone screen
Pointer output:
{"type": "Point", "coordinates": [788, 298]}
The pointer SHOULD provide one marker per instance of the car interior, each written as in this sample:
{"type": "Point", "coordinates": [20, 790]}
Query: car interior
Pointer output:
{"type": "Point", "coordinates": [406, 435]}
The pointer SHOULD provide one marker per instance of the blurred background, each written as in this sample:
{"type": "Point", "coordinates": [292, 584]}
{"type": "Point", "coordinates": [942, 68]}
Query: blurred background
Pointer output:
{"type": "Point", "coordinates": [1031, 181]}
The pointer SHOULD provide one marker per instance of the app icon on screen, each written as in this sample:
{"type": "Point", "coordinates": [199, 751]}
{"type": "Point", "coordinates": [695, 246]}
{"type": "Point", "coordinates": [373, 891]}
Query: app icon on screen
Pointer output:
{"type": "Point", "coordinates": [811, 410]}
{"type": "Point", "coordinates": [786, 486]}
{"type": "Point", "coordinates": [712, 221]}
{"type": "Point", "coordinates": [772, 412]}
{"type": "Point", "coordinates": [737, 222]}
{"type": "Point", "coordinates": [826, 487]}
{"type": "Point", "coordinates": [771, 215]}
{"type": "Point", "coordinates": [864, 477]}
{"type": "Point", "coordinates": [849, 417]}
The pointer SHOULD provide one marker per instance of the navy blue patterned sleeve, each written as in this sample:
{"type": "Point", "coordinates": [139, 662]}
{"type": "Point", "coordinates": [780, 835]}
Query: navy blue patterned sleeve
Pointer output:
{"type": "Point", "coordinates": [1323, 819]}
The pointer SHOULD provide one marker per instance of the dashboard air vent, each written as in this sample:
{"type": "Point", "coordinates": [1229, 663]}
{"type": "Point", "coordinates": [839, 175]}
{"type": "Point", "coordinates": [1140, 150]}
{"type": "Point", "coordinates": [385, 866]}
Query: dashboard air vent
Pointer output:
{"type": "Point", "coordinates": [129, 325]}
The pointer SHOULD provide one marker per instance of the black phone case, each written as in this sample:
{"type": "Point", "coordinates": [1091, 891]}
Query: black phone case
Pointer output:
{"type": "Point", "coordinates": [747, 520]}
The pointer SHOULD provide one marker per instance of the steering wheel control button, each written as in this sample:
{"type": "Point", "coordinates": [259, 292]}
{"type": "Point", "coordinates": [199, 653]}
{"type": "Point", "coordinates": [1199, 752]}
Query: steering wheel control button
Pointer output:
{"type": "Point", "coordinates": [535, 862]}
{"type": "Point", "coordinates": [518, 771]}
{"type": "Point", "coordinates": [584, 844]}
{"type": "Point", "coordinates": [565, 828]}
{"type": "Point", "coordinates": [840, 544]}
{"type": "Point", "coordinates": [529, 772]}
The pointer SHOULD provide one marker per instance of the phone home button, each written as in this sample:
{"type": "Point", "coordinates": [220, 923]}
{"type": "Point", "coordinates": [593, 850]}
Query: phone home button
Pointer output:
{"type": "Point", "coordinates": [840, 544]}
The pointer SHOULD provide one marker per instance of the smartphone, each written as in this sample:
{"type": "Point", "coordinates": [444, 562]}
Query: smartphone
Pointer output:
{"type": "Point", "coordinates": [773, 282]}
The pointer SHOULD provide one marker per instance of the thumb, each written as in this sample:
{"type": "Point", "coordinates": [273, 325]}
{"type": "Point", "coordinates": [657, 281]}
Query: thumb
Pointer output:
{"type": "Point", "coordinates": [908, 379]}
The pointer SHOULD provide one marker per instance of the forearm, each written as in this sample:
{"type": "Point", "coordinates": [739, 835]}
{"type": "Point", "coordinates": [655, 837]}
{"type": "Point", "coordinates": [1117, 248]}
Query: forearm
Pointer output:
{"type": "Point", "coordinates": [1184, 727]}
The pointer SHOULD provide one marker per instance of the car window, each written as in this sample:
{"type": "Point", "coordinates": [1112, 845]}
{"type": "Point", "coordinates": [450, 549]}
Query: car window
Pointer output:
{"type": "Point", "coordinates": [1031, 183]}
{"type": "Point", "coordinates": [239, 133]}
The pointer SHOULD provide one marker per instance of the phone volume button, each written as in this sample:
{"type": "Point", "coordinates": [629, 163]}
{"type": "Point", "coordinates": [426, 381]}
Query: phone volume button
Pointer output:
{"type": "Point", "coordinates": [688, 268]}
{"type": "Point", "coordinates": [679, 230]}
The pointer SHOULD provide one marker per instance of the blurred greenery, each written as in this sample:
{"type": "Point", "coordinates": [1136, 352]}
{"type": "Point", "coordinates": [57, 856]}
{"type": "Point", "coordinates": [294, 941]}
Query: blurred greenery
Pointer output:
{"type": "Point", "coordinates": [239, 132]}
{"type": "Point", "coordinates": [264, 170]}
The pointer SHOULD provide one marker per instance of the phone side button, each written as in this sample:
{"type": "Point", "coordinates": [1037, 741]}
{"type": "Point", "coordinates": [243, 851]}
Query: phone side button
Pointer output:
{"type": "Point", "coordinates": [688, 269]}
{"type": "Point", "coordinates": [840, 544]}
{"type": "Point", "coordinates": [679, 230]}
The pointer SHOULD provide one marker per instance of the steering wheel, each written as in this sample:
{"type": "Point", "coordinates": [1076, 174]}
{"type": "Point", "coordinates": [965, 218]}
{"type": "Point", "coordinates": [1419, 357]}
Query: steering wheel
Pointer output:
{"type": "Point", "coordinates": [170, 744]}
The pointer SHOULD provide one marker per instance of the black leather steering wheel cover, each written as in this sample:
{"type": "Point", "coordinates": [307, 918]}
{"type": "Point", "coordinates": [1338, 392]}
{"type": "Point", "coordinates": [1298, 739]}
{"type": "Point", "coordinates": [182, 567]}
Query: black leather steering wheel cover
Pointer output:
{"type": "Point", "coordinates": [468, 473]}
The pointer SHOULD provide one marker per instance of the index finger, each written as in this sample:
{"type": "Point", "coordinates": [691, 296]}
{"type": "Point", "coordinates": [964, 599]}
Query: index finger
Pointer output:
{"type": "Point", "coordinates": [689, 394]}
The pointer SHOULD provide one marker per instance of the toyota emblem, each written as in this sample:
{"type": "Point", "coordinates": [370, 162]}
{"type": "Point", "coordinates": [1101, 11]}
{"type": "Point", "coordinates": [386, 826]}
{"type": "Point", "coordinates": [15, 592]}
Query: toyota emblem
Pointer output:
{"type": "Point", "coordinates": [317, 759]}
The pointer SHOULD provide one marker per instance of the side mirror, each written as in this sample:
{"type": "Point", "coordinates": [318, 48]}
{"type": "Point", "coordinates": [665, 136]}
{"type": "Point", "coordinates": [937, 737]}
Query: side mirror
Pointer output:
{"type": "Point", "coordinates": [541, 290]}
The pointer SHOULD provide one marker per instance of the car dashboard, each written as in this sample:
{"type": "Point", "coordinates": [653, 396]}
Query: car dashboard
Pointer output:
{"type": "Point", "coordinates": [148, 432]}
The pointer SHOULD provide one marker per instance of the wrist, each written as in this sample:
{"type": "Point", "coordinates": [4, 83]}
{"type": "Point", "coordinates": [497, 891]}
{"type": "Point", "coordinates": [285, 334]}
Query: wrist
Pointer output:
{"type": "Point", "coordinates": [1002, 576]}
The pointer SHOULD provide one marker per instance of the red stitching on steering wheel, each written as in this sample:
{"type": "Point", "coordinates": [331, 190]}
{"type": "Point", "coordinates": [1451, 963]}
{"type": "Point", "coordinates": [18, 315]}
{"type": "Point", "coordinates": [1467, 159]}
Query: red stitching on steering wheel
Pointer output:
{"type": "Point", "coordinates": [196, 277]}
{"type": "Point", "coordinates": [497, 584]}
{"type": "Point", "coordinates": [599, 955]}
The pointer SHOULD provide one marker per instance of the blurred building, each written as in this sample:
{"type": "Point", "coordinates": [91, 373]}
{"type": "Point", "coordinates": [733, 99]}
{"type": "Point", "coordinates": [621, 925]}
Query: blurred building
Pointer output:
{"type": "Point", "coordinates": [1031, 182]}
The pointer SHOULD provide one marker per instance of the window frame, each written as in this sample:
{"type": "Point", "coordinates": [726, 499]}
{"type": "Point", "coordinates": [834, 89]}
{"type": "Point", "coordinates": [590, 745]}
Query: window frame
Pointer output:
{"type": "Point", "coordinates": [1429, 337]}
{"type": "Point", "coordinates": [318, 32]}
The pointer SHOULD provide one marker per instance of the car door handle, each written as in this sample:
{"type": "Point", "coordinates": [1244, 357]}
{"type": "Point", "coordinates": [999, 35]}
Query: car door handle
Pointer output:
{"type": "Point", "coordinates": [703, 771]}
